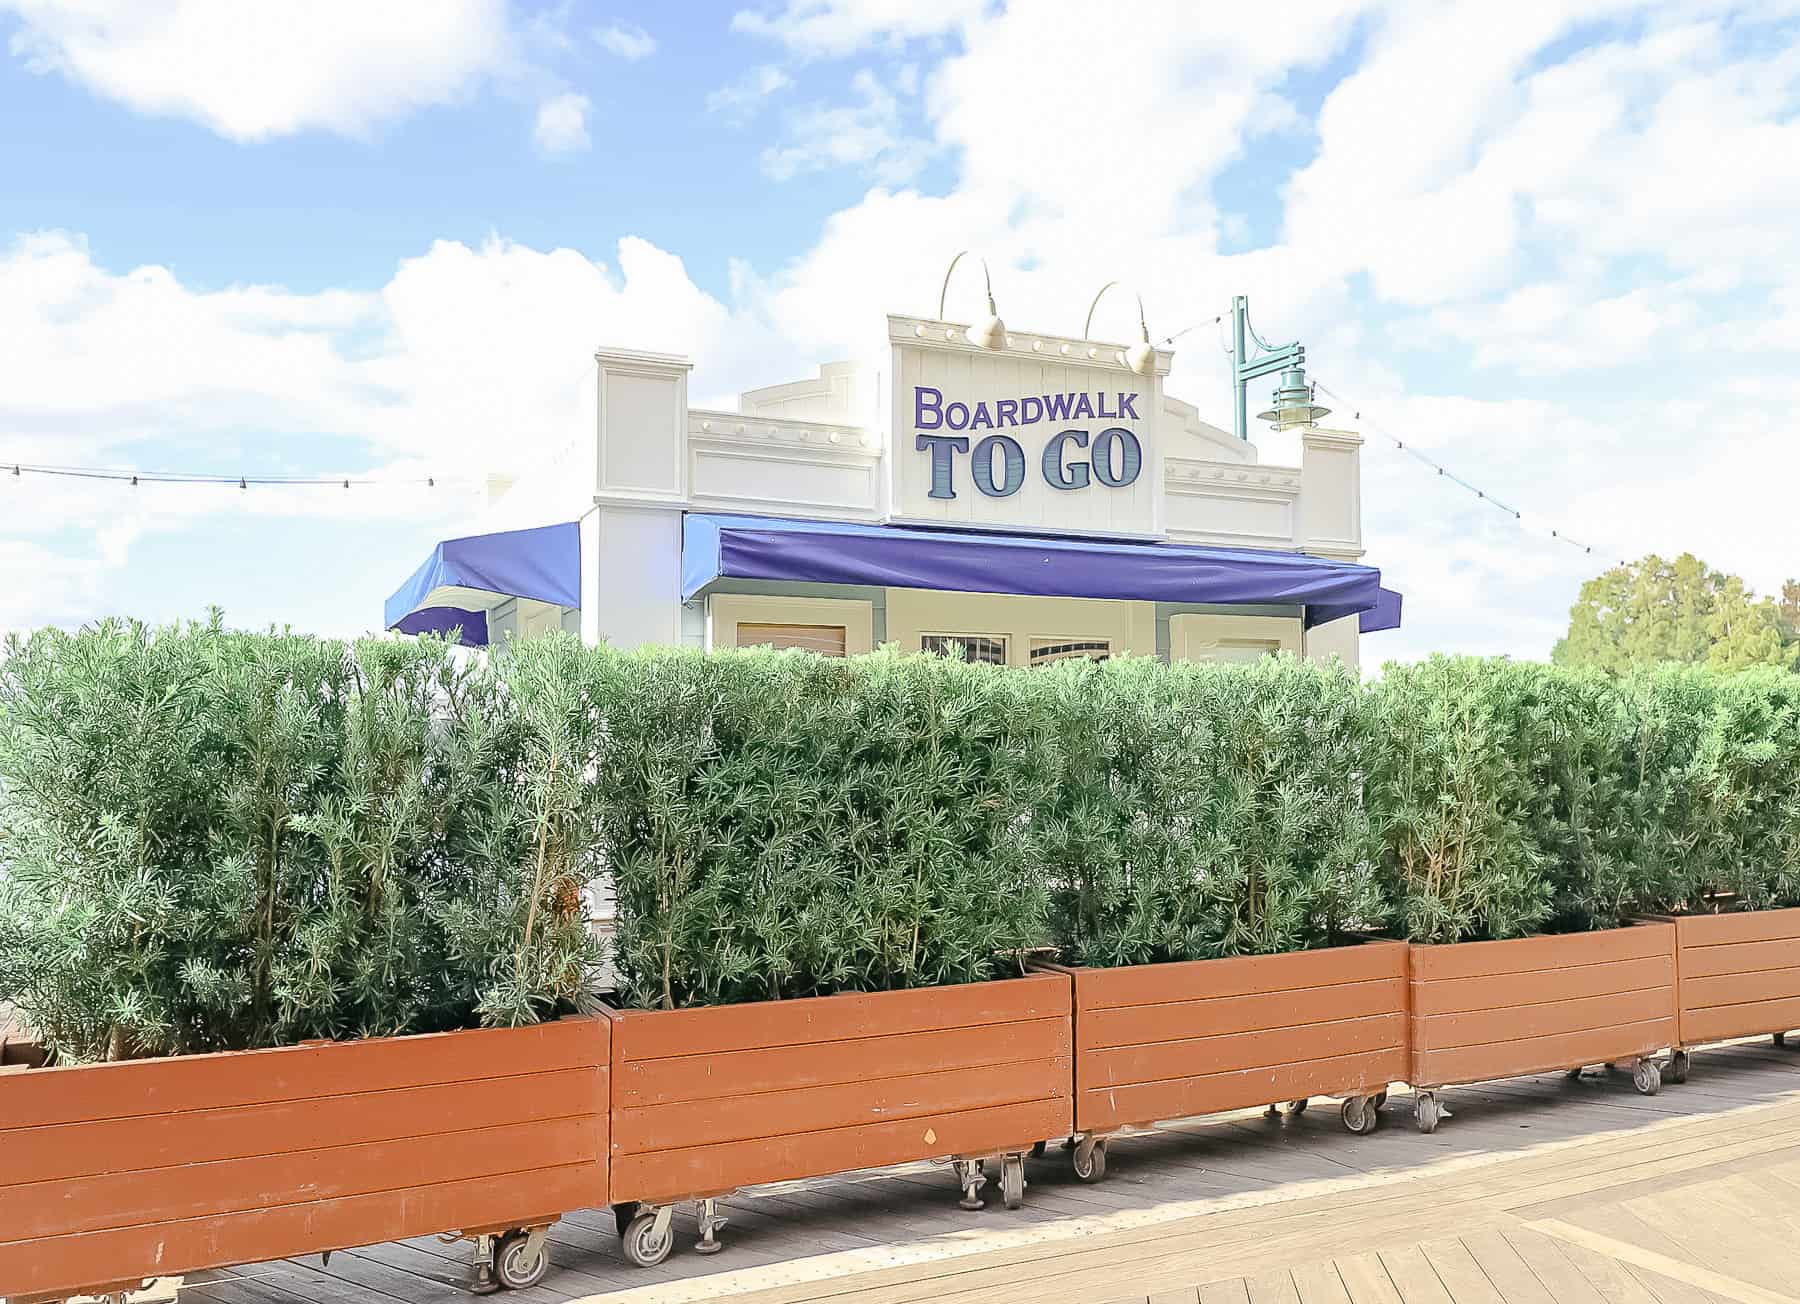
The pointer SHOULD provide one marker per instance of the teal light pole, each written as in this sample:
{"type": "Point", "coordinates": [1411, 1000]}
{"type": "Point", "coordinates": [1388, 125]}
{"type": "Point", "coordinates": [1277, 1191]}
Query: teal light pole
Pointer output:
{"type": "Point", "coordinates": [1270, 359]}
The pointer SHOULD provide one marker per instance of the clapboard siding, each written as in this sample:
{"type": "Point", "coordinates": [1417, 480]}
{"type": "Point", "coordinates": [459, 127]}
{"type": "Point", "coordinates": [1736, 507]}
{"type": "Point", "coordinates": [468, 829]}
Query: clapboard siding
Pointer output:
{"type": "Point", "coordinates": [120, 1171]}
{"type": "Point", "coordinates": [1740, 974]}
{"type": "Point", "coordinates": [1501, 1009]}
{"type": "Point", "coordinates": [1198, 1037]}
{"type": "Point", "coordinates": [709, 1100]}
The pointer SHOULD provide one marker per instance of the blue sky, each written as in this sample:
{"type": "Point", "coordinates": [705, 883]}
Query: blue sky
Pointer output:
{"type": "Point", "coordinates": [1556, 245]}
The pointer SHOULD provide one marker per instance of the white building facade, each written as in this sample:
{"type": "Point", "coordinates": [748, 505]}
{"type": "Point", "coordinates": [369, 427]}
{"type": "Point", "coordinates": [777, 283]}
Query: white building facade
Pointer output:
{"type": "Point", "coordinates": [1016, 501]}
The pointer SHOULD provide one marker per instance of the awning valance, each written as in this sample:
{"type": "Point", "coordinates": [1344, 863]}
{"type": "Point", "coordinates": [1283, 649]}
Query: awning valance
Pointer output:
{"type": "Point", "coordinates": [832, 552]}
{"type": "Point", "coordinates": [465, 579]}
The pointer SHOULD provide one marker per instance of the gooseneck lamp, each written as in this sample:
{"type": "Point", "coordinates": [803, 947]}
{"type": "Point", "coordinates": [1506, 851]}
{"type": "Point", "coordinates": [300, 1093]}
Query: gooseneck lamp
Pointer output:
{"type": "Point", "coordinates": [1140, 357]}
{"type": "Point", "coordinates": [989, 333]}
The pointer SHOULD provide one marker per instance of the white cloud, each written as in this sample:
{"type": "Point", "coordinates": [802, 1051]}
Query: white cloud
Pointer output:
{"type": "Point", "coordinates": [626, 40]}
{"type": "Point", "coordinates": [839, 27]}
{"type": "Point", "coordinates": [251, 71]}
{"type": "Point", "coordinates": [561, 126]}
{"type": "Point", "coordinates": [866, 134]}
{"type": "Point", "coordinates": [739, 101]}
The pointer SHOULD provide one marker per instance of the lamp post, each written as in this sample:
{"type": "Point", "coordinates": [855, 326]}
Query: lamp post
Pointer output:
{"type": "Point", "coordinates": [1289, 359]}
{"type": "Point", "coordinates": [989, 333]}
{"type": "Point", "coordinates": [1140, 357]}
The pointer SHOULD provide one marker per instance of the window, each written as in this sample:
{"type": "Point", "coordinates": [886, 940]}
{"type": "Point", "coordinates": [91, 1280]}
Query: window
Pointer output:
{"type": "Point", "coordinates": [982, 649]}
{"type": "Point", "coordinates": [1046, 650]}
{"type": "Point", "coordinates": [827, 640]}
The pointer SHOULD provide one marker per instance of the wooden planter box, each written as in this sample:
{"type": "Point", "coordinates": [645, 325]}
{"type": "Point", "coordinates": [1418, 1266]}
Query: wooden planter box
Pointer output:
{"type": "Point", "coordinates": [111, 1174]}
{"type": "Point", "coordinates": [1483, 1010]}
{"type": "Point", "coordinates": [1739, 975]}
{"type": "Point", "coordinates": [709, 1100]}
{"type": "Point", "coordinates": [1164, 1041]}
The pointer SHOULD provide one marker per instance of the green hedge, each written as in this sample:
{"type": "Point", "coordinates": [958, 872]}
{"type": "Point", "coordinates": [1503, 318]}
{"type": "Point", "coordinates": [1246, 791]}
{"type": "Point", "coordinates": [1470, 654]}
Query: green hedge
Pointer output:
{"type": "Point", "coordinates": [213, 839]}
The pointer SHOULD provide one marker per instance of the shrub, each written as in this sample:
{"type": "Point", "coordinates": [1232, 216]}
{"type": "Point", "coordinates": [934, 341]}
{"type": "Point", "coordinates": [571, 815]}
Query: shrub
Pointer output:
{"type": "Point", "coordinates": [212, 840]}
{"type": "Point", "coordinates": [1749, 780]}
{"type": "Point", "coordinates": [1667, 816]}
{"type": "Point", "coordinates": [1204, 810]}
{"type": "Point", "coordinates": [1451, 775]}
{"type": "Point", "coordinates": [783, 824]}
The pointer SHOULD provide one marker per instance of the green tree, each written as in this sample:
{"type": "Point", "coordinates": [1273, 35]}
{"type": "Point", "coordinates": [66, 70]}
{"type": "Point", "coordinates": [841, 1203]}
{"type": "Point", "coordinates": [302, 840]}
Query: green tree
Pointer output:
{"type": "Point", "coordinates": [1657, 610]}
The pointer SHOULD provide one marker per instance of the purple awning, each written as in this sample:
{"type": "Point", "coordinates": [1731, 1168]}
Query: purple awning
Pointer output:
{"type": "Point", "coordinates": [466, 578]}
{"type": "Point", "coordinates": [836, 552]}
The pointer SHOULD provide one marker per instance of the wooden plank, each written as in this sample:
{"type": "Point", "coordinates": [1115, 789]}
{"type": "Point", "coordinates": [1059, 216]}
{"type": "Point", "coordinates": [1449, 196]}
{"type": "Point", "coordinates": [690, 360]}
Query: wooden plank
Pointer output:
{"type": "Point", "coordinates": [1154, 984]}
{"type": "Point", "coordinates": [1272, 1048]}
{"type": "Point", "coordinates": [734, 1073]}
{"type": "Point", "coordinates": [1319, 1283]}
{"type": "Point", "coordinates": [1737, 957]}
{"type": "Point", "coordinates": [1189, 1097]}
{"type": "Point", "coordinates": [1741, 988]}
{"type": "Point", "coordinates": [207, 1190]}
{"type": "Point", "coordinates": [1540, 1054]}
{"type": "Point", "coordinates": [79, 1093]}
{"type": "Point", "coordinates": [1615, 1283]}
{"type": "Point", "coordinates": [1739, 926]}
{"type": "Point", "coordinates": [1273, 1288]}
{"type": "Point", "coordinates": [1556, 1018]}
{"type": "Point", "coordinates": [1414, 1279]}
{"type": "Point", "coordinates": [1235, 1291]}
{"type": "Point", "coordinates": [120, 1145]}
{"type": "Point", "coordinates": [1455, 995]}
{"type": "Point", "coordinates": [1366, 1280]}
{"type": "Point", "coordinates": [1462, 1276]}
{"type": "Point", "coordinates": [1721, 1023]}
{"type": "Point", "coordinates": [1528, 954]}
{"type": "Point", "coordinates": [703, 1170]}
{"type": "Point", "coordinates": [1552, 1268]}
{"type": "Point", "coordinates": [655, 1034]}
{"type": "Point", "coordinates": [69, 1263]}
{"type": "Point", "coordinates": [1505, 1269]}
{"type": "Point", "coordinates": [840, 1105]}
{"type": "Point", "coordinates": [1222, 1016]}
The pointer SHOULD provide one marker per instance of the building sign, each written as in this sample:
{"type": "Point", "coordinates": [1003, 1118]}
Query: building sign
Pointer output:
{"type": "Point", "coordinates": [1113, 458]}
{"type": "Point", "coordinates": [1038, 435]}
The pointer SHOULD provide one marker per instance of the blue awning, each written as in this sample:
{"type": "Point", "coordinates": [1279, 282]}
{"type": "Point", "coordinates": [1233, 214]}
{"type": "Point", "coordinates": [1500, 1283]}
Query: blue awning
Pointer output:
{"type": "Point", "coordinates": [465, 579]}
{"type": "Point", "coordinates": [834, 552]}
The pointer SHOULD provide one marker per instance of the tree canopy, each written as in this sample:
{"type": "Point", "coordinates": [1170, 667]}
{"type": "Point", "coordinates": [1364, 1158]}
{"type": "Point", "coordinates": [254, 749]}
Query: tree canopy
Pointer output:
{"type": "Point", "coordinates": [1657, 610]}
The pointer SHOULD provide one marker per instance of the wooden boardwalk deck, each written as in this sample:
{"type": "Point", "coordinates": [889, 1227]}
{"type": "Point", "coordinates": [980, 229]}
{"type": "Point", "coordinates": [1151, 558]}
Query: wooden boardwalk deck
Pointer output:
{"type": "Point", "coordinates": [1538, 1191]}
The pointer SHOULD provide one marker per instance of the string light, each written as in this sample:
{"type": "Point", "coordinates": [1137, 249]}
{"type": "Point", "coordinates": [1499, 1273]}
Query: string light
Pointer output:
{"type": "Point", "coordinates": [243, 481]}
{"type": "Point", "coordinates": [1558, 535]}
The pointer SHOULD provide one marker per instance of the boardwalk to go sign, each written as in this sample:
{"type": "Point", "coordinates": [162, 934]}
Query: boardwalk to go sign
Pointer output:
{"type": "Point", "coordinates": [1539, 1191]}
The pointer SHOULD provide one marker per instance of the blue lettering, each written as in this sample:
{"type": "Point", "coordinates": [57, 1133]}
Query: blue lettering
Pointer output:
{"type": "Point", "coordinates": [1006, 412]}
{"type": "Point", "coordinates": [1131, 457]}
{"type": "Point", "coordinates": [952, 420]}
{"type": "Point", "coordinates": [1031, 410]}
{"type": "Point", "coordinates": [1063, 476]}
{"type": "Point", "coordinates": [981, 421]}
{"type": "Point", "coordinates": [921, 407]}
{"type": "Point", "coordinates": [1056, 406]}
{"type": "Point", "coordinates": [1103, 414]}
{"type": "Point", "coordinates": [1083, 408]}
{"type": "Point", "coordinates": [1128, 407]}
{"type": "Point", "coordinates": [981, 464]}
{"type": "Point", "coordinates": [942, 446]}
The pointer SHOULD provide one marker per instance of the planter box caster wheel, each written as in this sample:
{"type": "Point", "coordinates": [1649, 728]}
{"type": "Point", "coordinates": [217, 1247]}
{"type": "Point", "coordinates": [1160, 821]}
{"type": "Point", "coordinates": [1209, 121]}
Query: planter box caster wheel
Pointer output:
{"type": "Point", "coordinates": [649, 1236]}
{"type": "Point", "coordinates": [1012, 1181]}
{"type": "Point", "coordinates": [1646, 1077]}
{"type": "Point", "coordinates": [1090, 1160]}
{"type": "Point", "coordinates": [1427, 1113]}
{"type": "Point", "coordinates": [623, 1214]}
{"type": "Point", "coordinates": [1380, 1098]}
{"type": "Point", "coordinates": [520, 1260]}
{"type": "Point", "coordinates": [1677, 1072]}
{"type": "Point", "coordinates": [970, 1177]}
{"type": "Point", "coordinates": [1361, 1115]}
{"type": "Point", "coordinates": [1780, 1040]}
{"type": "Point", "coordinates": [710, 1222]}
{"type": "Point", "coordinates": [1037, 1151]}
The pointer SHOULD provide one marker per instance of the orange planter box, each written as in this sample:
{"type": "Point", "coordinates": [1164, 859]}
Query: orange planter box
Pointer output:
{"type": "Point", "coordinates": [1484, 1010]}
{"type": "Point", "coordinates": [709, 1100]}
{"type": "Point", "coordinates": [114, 1173]}
{"type": "Point", "coordinates": [1740, 974]}
{"type": "Point", "coordinates": [1163, 1041]}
